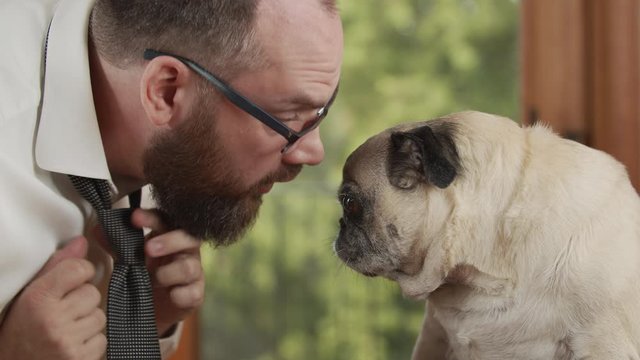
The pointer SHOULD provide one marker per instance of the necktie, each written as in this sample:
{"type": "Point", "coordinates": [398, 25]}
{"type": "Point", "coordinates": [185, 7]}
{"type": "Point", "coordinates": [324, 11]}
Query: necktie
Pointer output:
{"type": "Point", "coordinates": [131, 326]}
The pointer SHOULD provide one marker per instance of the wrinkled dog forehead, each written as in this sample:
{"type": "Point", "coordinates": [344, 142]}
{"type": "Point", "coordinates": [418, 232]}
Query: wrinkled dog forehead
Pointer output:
{"type": "Point", "coordinates": [371, 156]}
{"type": "Point", "coordinates": [425, 149]}
{"type": "Point", "coordinates": [367, 162]}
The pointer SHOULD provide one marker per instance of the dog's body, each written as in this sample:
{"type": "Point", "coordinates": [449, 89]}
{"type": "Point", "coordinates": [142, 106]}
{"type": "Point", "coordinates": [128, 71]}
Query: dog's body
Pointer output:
{"type": "Point", "coordinates": [526, 245]}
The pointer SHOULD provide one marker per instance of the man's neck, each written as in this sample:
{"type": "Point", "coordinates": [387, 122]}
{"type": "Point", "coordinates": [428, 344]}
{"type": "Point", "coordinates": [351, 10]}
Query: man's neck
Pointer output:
{"type": "Point", "coordinates": [120, 117]}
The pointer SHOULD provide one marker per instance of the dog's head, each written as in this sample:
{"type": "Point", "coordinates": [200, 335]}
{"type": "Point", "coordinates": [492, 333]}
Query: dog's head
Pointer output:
{"type": "Point", "coordinates": [393, 195]}
{"type": "Point", "coordinates": [418, 199]}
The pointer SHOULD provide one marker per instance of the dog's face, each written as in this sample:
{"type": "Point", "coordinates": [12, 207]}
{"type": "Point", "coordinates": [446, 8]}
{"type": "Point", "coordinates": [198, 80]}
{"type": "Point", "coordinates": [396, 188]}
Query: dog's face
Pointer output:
{"type": "Point", "coordinates": [395, 202]}
{"type": "Point", "coordinates": [511, 233]}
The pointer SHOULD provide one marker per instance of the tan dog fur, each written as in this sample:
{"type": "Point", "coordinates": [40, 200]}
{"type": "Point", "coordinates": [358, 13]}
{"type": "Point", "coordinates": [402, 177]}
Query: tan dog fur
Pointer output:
{"type": "Point", "coordinates": [532, 250]}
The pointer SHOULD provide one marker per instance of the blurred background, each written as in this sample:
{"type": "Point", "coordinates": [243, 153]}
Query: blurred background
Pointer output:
{"type": "Point", "coordinates": [280, 293]}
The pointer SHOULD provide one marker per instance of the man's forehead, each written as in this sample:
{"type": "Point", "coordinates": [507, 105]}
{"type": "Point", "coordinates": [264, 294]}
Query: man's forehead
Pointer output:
{"type": "Point", "coordinates": [283, 9]}
{"type": "Point", "coordinates": [307, 100]}
{"type": "Point", "coordinates": [283, 22]}
{"type": "Point", "coordinates": [302, 43]}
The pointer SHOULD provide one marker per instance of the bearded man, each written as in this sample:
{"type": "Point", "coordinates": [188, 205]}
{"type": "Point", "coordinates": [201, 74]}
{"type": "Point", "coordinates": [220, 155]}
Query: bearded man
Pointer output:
{"type": "Point", "coordinates": [210, 102]}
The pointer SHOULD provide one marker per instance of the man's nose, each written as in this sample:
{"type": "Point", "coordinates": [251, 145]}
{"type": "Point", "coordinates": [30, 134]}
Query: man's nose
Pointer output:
{"type": "Point", "coordinates": [308, 150]}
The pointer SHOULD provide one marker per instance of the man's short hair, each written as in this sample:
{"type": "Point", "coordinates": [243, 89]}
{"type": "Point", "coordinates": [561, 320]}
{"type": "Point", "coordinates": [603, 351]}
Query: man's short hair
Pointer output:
{"type": "Point", "coordinates": [219, 34]}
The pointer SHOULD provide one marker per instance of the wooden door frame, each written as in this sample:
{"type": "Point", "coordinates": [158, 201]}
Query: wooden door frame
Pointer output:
{"type": "Point", "coordinates": [581, 73]}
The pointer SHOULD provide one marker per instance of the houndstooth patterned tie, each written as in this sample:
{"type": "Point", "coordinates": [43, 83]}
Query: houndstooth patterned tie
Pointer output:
{"type": "Point", "coordinates": [131, 325]}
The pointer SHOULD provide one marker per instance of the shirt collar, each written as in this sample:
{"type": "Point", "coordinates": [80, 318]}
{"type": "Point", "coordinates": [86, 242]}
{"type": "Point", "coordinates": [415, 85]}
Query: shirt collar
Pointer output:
{"type": "Point", "coordinates": [68, 139]}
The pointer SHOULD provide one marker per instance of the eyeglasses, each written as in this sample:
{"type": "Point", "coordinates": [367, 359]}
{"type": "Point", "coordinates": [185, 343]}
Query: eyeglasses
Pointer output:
{"type": "Point", "coordinates": [252, 109]}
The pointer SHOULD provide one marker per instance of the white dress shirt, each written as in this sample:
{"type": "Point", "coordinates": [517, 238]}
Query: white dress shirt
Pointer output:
{"type": "Point", "coordinates": [48, 129]}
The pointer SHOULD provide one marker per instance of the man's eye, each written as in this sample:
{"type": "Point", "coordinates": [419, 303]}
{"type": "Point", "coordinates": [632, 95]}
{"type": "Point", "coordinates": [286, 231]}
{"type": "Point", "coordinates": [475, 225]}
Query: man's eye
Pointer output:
{"type": "Point", "coordinates": [293, 120]}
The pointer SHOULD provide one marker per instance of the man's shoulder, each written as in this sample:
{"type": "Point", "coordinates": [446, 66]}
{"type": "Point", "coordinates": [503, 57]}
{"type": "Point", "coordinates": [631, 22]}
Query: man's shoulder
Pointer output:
{"type": "Point", "coordinates": [24, 23]}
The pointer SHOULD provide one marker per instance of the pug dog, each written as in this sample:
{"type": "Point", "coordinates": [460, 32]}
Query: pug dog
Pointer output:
{"type": "Point", "coordinates": [524, 245]}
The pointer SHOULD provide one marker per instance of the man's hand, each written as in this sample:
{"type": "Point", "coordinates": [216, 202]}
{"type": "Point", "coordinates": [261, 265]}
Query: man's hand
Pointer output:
{"type": "Point", "coordinates": [57, 315]}
{"type": "Point", "coordinates": [173, 260]}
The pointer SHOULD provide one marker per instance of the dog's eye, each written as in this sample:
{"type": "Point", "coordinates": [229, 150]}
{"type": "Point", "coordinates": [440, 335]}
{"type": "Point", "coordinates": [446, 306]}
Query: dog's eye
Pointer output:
{"type": "Point", "coordinates": [350, 205]}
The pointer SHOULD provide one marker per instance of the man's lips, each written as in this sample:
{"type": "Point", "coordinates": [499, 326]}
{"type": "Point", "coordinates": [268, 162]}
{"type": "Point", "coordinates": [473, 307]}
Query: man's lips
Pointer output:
{"type": "Point", "coordinates": [283, 177]}
{"type": "Point", "coordinates": [265, 188]}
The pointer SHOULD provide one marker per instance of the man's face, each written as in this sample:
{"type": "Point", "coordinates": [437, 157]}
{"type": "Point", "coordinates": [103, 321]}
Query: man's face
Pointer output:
{"type": "Point", "coordinates": [197, 186]}
{"type": "Point", "coordinates": [210, 173]}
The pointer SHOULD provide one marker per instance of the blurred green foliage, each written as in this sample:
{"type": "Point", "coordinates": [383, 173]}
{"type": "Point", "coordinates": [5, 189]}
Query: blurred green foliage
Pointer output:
{"type": "Point", "coordinates": [280, 293]}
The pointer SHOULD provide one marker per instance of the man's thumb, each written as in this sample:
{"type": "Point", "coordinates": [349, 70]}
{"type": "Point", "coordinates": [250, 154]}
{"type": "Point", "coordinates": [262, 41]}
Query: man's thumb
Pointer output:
{"type": "Point", "coordinates": [76, 248]}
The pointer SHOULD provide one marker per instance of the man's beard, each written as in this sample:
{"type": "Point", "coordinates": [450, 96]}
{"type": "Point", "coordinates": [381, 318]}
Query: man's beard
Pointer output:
{"type": "Point", "coordinates": [193, 184]}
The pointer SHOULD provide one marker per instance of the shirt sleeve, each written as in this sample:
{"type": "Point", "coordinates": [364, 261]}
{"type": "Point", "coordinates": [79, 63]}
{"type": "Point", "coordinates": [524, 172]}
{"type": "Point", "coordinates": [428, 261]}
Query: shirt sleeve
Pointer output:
{"type": "Point", "coordinates": [169, 344]}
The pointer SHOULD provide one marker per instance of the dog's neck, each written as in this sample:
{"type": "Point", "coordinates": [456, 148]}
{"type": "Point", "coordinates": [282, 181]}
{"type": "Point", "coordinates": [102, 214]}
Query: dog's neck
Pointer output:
{"type": "Point", "coordinates": [439, 278]}
{"type": "Point", "coordinates": [465, 288]}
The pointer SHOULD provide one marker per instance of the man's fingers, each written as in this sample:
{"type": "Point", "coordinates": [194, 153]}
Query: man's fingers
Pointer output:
{"type": "Point", "coordinates": [76, 248]}
{"type": "Point", "coordinates": [95, 347]}
{"type": "Point", "coordinates": [65, 277]}
{"type": "Point", "coordinates": [184, 270]}
{"type": "Point", "coordinates": [91, 325]}
{"type": "Point", "coordinates": [83, 300]}
{"type": "Point", "coordinates": [172, 242]}
{"type": "Point", "coordinates": [148, 219]}
{"type": "Point", "coordinates": [189, 296]}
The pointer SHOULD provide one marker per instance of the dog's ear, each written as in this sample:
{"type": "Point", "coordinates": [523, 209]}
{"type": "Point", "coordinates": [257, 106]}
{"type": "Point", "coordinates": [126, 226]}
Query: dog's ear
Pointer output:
{"type": "Point", "coordinates": [420, 155]}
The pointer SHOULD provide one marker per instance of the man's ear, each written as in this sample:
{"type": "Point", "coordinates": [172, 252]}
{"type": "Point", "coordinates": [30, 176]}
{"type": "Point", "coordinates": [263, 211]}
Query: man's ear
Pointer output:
{"type": "Point", "coordinates": [166, 91]}
{"type": "Point", "coordinates": [419, 155]}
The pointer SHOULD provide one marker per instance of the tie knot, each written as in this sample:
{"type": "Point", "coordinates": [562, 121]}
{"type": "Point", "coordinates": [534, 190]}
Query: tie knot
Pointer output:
{"type": "Point", "coordinates": [127, 242]}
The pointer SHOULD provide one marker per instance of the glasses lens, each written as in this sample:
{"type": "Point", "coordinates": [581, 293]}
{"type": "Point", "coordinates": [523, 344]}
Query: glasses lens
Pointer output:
{"type": "Point", "coordinates": [312, 124]}
{"type": "Point", "coordinates": [307, 128]}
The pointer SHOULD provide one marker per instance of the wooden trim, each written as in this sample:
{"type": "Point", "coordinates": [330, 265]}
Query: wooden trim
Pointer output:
{"type": "Point", "coordinates": [615, 84]}
{"type": "Point", "coordinates": [581, 73]}
{"type": "Point", "coordinates": [554, 72]}
{"type": "Point", "coordinates": [189, 348]}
